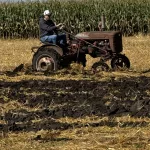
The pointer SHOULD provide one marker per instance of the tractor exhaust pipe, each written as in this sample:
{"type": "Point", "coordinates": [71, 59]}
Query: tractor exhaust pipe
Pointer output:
{"type": "Point", "coordinates": [101, 24]}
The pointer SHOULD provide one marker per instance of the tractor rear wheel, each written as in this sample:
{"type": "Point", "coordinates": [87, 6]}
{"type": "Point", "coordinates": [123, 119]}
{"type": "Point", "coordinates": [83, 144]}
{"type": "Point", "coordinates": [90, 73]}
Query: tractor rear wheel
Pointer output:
{"type": "Point", "coordinates": [45, 59]}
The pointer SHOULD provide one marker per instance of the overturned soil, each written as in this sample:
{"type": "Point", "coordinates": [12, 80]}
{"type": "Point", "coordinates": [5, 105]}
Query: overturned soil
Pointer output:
{"type": "Point", "coordinates": [56, 99]}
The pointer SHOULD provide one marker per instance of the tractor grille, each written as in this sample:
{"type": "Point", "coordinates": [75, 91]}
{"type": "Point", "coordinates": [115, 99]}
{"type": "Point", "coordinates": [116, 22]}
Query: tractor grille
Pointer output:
{"type": "Point", "coordinates": [117, 43]}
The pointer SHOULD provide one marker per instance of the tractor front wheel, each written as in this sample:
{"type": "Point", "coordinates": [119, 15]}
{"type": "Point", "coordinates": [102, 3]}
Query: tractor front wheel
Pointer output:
{"type": "Point", "coordinates": [120, 62]}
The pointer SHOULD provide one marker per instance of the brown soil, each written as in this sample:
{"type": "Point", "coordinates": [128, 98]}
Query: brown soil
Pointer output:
{"type": "Point", "coordinates": [71, 98]}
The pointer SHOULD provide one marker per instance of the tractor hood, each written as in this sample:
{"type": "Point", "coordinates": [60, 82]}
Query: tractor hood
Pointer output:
{"type": "Point", "coordinates": [95, 35]}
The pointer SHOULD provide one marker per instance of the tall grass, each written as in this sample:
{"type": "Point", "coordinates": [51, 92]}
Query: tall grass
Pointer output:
{"type": "Point", "coordinates": [20, 20]}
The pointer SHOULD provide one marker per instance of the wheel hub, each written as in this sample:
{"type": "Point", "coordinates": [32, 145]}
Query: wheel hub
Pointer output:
{"type": "Point", "coordinates": [120, 63]}
{"type": "Point", "coordinates": [45, 63]}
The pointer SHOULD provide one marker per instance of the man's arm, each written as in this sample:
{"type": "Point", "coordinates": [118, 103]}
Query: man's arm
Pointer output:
{"type": "Point", "coordinates": [47, 27]}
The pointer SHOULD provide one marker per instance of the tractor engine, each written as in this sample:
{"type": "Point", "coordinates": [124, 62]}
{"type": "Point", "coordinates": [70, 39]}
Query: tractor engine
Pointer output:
{"type": "Point", "coordinates": [96, 48]}
{"type": "Point", "coordinates": [74, 46]}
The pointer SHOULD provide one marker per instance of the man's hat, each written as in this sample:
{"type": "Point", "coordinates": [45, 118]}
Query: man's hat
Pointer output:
{"type": "Point", "coordinates": [47, 13]}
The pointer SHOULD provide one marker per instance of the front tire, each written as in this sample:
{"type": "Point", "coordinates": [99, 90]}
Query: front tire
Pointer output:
{"type": "Point", "coordinates": [120, 62]}
{"type": "Point", "coordinates": [45, 59]}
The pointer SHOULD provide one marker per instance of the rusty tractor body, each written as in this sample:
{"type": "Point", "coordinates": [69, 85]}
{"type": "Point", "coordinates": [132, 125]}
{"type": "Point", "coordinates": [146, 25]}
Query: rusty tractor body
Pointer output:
{"type": "Point", "coordinates": [107, 45]}
{"type": "Point", "coordinates": [113, 38]}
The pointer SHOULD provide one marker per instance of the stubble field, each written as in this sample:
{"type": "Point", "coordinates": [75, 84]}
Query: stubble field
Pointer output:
{"type": "Point", "coordinates": [70, 110]}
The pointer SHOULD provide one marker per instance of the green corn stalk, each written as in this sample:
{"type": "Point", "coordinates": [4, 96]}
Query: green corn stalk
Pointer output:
{"type": "Point", "coordinates": [21, 20]}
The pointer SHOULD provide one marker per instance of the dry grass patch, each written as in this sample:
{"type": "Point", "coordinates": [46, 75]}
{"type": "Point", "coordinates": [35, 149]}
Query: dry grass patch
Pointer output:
{"type": "Point", "coordinates": [108, 136]}
{"type": "Point", "coordinates": [137, 48]}
{"type": "Point", "coordinates": [15, 52]}
{"type": "Point", "coordinates": [82, 133]}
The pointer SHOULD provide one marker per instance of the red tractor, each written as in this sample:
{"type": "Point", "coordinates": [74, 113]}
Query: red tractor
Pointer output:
{"type": "Point", "coordinates": [106, 45]}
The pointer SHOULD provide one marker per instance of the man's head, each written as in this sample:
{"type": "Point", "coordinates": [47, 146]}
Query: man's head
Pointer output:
{"type": "Point", "coordinates": [47, 14]}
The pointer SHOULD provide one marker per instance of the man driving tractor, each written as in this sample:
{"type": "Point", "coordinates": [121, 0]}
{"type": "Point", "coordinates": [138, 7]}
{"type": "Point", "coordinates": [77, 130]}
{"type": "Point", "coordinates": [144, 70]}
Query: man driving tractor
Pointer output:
{"type": "Point", "coordinates": [103, 45]}
{"type": "Point", "coordinates": [48, 30]}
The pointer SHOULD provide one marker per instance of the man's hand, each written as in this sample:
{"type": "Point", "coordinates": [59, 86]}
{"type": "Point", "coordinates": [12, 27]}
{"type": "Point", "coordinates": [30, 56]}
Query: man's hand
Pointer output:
{"type": "Point", "coordinates": [59, 25]}
{"type": "Point", "coordinates": [62, 27]}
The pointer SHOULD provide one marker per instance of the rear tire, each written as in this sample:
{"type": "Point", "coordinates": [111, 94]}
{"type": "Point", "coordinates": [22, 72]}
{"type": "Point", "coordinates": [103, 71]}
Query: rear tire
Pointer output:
{"type": "Point", "coordinates": [120, 62]}
{"type": "Point", "coordinates": [45, 59]}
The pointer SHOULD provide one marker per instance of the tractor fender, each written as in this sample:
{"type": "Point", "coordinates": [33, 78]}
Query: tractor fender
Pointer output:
{"type": "Point", "coordinates": [50, 46]}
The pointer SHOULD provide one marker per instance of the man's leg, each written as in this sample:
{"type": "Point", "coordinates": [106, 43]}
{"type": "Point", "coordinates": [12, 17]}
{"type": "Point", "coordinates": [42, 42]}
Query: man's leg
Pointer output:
{"type": "Point", "coordinates": [43, 39]}
{"type": "Point", "coordinates": [50, 39]}
{"type": "Point", "coordinates": [63, 42]}
{"type": "Point", "coordinates": [62, 39]}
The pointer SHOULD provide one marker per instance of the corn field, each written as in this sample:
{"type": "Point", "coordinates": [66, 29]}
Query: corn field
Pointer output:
{"type": "Point", "coordinates": [20, 20]}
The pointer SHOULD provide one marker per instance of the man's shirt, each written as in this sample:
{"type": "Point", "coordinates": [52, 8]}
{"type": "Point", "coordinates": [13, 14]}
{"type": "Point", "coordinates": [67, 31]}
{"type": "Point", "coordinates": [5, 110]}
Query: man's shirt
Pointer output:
{"type": "Point", "coordinates": [46, 27]}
